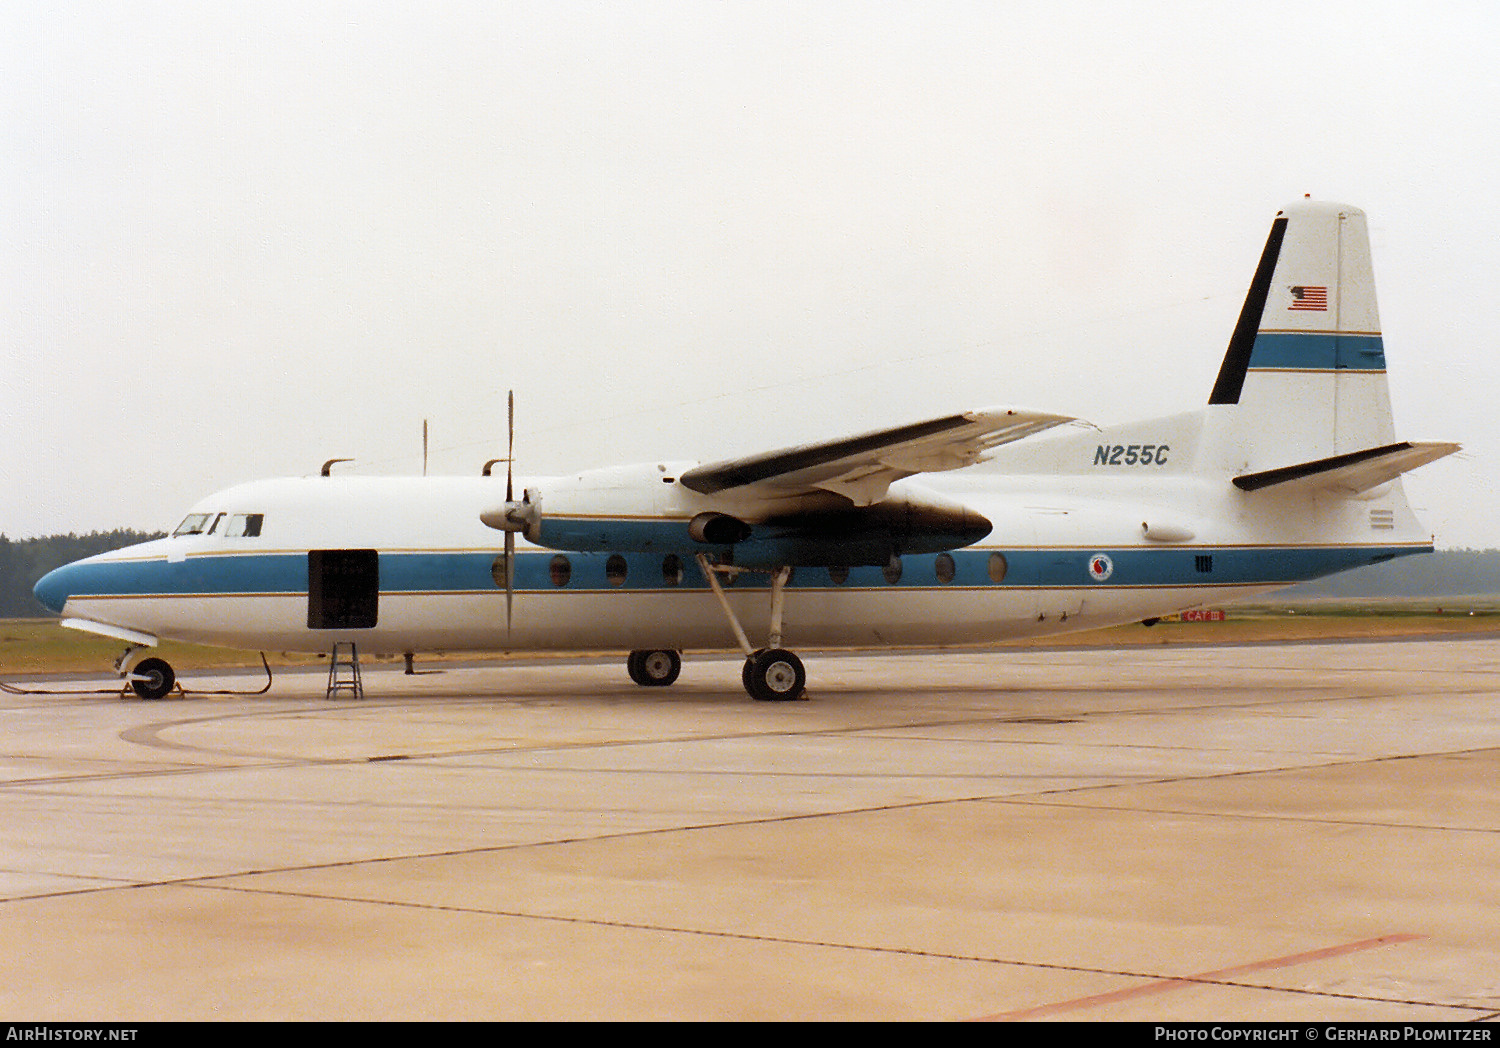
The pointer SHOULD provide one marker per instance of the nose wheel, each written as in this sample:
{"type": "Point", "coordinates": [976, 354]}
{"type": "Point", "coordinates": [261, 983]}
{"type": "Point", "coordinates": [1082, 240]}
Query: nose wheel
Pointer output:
{"type": "Point", "coordinates": [152, 678]}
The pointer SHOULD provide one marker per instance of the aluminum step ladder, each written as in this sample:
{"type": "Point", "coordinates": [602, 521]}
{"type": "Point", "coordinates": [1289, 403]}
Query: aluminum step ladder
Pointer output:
{"type": "Point", "coordinates": [343, 672]}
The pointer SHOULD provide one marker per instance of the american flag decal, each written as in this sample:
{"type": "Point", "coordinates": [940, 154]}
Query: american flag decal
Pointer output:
{"type": "Point", "coordinates": [1310, 298]}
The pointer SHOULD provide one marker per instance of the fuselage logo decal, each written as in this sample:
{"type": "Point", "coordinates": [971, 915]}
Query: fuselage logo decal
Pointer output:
{"type": "Point", "coordinates": [1100, 567]}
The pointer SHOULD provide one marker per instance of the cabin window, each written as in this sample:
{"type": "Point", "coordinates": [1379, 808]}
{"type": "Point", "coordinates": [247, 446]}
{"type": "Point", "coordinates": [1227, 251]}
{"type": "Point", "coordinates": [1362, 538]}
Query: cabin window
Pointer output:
{"type": "Point", "coordinates": [244, 525]}
{"type": "Point", "coordinates": [500, 571]}
{"type": "Point", "coordinates": [998, 567]}
{"type": "Point", "coordinates": [615, 569]}
{"type": "Point", "coordinates": [343, 589]}
{"type": "Point", "coordinates": [192, 524]}
{"type": "Point", "coordinates": [560, 570]}
{"type": "Point", "coordinates": [1204, 563]}
{"type": "Point", "coordinates": [892, 570]}
{"type": "Point", "coordinates": [943, 567]}
{"type": "Point", "coordinates": [671, 570]}
{"type": "Point", "coordinates": [838, 575]}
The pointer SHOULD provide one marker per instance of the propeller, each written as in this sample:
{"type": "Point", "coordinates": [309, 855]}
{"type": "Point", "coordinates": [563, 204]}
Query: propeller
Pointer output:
{"type": "Point", "coordinates": [511, 516]}
{"type": "Point", "coordinates": [510, 536]}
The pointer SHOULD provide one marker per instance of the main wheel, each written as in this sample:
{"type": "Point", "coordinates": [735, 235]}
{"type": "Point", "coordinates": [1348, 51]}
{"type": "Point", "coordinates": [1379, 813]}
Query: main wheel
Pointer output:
{"type": "Point", "coordinates": [654, 669]}
{"type": "Point", "coordinates": [774, 675]}
{"type": "Point", "coordinates": [154, 678]}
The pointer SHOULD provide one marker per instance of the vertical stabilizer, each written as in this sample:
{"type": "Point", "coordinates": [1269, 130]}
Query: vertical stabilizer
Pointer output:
{"type": "Point", "coordinates": [1305, 369]}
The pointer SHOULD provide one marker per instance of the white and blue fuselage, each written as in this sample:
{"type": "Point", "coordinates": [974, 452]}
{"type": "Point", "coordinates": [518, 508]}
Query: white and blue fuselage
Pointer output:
{"type": "Point", "coordinates": [1094, 552]}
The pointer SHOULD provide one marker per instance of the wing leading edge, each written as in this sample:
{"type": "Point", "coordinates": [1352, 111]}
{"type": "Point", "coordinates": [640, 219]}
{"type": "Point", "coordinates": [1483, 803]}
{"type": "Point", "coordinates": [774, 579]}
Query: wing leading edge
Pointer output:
{"type": "Point", "coordinates": [862, 468]}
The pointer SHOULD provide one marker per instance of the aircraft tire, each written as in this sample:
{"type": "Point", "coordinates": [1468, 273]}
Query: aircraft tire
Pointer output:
{"type": "Point", "coordinates": [157, 678]}
{"type": "Point", "coordinates": [774, 675]}
{"type": "Point", "coordinates": [655, 668]}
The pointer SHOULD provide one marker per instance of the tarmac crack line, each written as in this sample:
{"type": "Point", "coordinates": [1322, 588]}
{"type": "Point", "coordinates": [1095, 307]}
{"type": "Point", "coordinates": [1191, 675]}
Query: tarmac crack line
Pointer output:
{"type": "Point", "coordinates": [1042, 798]}
{"type": "Point", "coordinates": [1160, 982]}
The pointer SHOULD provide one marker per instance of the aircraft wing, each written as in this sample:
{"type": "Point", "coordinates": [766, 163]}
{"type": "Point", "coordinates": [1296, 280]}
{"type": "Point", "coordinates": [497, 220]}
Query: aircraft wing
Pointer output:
{"type": "Point", "coordinates": [862, 468]}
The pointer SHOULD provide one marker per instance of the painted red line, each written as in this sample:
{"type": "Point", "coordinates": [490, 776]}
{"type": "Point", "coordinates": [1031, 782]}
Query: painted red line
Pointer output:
{"type": "Point", "coordinates": [1163, 985]}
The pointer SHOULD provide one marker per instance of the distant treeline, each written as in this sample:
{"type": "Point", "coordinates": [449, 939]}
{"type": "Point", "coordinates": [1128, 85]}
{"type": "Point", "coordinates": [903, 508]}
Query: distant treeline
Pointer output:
{"type": "Point", "coordinates": [23, 561]}
{"type": "Point", "coordinates": [1445, 574]}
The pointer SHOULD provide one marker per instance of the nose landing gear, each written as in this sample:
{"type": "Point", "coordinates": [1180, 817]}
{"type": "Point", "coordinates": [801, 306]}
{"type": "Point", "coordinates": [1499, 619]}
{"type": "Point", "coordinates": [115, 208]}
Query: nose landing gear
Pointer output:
{"type": "Point", "coordinates": [150, 678]}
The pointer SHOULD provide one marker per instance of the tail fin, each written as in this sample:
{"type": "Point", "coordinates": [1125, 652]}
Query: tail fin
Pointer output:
{"type": "Point", "coordinates": [1306, 363]}
{"type": "Point", "coordinates": [1301, 401]}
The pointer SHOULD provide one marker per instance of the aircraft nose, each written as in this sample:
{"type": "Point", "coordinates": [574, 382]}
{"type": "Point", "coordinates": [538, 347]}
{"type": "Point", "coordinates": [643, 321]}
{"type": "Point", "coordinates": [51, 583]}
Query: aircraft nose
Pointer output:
{"type": "Point", "coordinates": [54, 588]}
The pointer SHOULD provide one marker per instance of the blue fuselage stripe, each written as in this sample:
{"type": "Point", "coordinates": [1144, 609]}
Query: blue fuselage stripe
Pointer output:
{"type": "Point", "coordinates": [469, 572]}
{"type": "Point", "coordinates": [1317, 351]}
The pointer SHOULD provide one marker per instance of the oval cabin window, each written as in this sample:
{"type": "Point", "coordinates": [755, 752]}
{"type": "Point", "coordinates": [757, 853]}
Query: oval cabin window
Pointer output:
{"type": "Point", "coordinates": [998, 567]}
{"type": "Point", "coordinates": [944, 568]}
{"type": "Point", "coordinates": [614, 570]}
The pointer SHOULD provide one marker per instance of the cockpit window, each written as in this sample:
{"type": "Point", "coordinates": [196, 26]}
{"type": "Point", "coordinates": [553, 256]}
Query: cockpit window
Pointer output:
{"type": "Point", "coordinates": [244, 525]}
{"type": "Point", "coordinates": [193, 524]}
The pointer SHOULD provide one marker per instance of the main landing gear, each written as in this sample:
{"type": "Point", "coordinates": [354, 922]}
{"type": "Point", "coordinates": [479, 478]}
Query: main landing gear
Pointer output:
{"type": "Point", "coordinates": [770, 674]}
{"type": "Point", "coordinates": [773, 674]}
{"type": "Point", "coordinates": [654, 669]}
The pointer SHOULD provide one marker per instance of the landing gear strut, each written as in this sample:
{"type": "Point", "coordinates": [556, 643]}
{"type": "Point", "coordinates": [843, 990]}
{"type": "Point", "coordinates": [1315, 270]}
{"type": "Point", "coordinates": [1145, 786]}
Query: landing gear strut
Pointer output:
{"type": "Point", "coordinates": [771, 674]}
{"type": "Point", "coordinates": [654, 669]}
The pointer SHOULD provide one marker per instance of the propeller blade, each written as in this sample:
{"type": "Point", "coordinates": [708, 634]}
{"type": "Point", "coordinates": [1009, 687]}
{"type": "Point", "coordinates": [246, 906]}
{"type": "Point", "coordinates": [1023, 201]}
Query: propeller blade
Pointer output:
{"type": "Point", "coordinates": [510, 536]}
{"type": "Point", "coordinates": [510, 577]}
{"type": "Point", "coordinates": [510, 441]}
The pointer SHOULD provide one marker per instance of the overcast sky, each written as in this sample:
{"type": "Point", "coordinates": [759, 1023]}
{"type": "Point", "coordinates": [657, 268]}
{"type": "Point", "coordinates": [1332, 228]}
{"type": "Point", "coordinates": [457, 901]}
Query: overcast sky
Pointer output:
{"type": "Point", "coordinates": [240, 239]}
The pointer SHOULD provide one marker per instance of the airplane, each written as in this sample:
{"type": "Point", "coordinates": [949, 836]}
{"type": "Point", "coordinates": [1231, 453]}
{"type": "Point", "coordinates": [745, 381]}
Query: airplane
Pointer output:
{"type": "Point", "coordinates": [979, 526]}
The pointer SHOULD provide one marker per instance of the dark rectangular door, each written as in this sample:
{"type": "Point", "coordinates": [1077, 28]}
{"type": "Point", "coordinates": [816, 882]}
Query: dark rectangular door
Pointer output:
{"type": "Point", "coordinates": [343, 589]}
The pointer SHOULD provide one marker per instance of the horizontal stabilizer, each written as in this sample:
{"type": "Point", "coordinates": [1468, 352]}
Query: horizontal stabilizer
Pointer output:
{"type": "Point", "coordinates": [862, 468]}
{"type": "Point", "coordinates": [1351, 473]}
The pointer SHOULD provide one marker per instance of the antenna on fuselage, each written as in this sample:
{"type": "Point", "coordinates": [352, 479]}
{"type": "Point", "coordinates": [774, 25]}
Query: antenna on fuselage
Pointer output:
{"type": "Point", "coordinates": [424, 447]}
{"type": "Point", "coordinates": [328, 466]}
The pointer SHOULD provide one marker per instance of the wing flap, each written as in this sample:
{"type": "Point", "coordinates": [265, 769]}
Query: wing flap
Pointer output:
{"type": "Point", "coordinates": [862, 468]}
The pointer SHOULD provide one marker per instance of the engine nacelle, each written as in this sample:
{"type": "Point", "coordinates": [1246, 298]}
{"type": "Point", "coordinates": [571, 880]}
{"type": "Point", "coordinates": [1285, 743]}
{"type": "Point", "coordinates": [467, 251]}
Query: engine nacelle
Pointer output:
{"type": "Point", "coordinates": [718, 529]}
{"type": "Point", "coordinates": [642, 509]}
